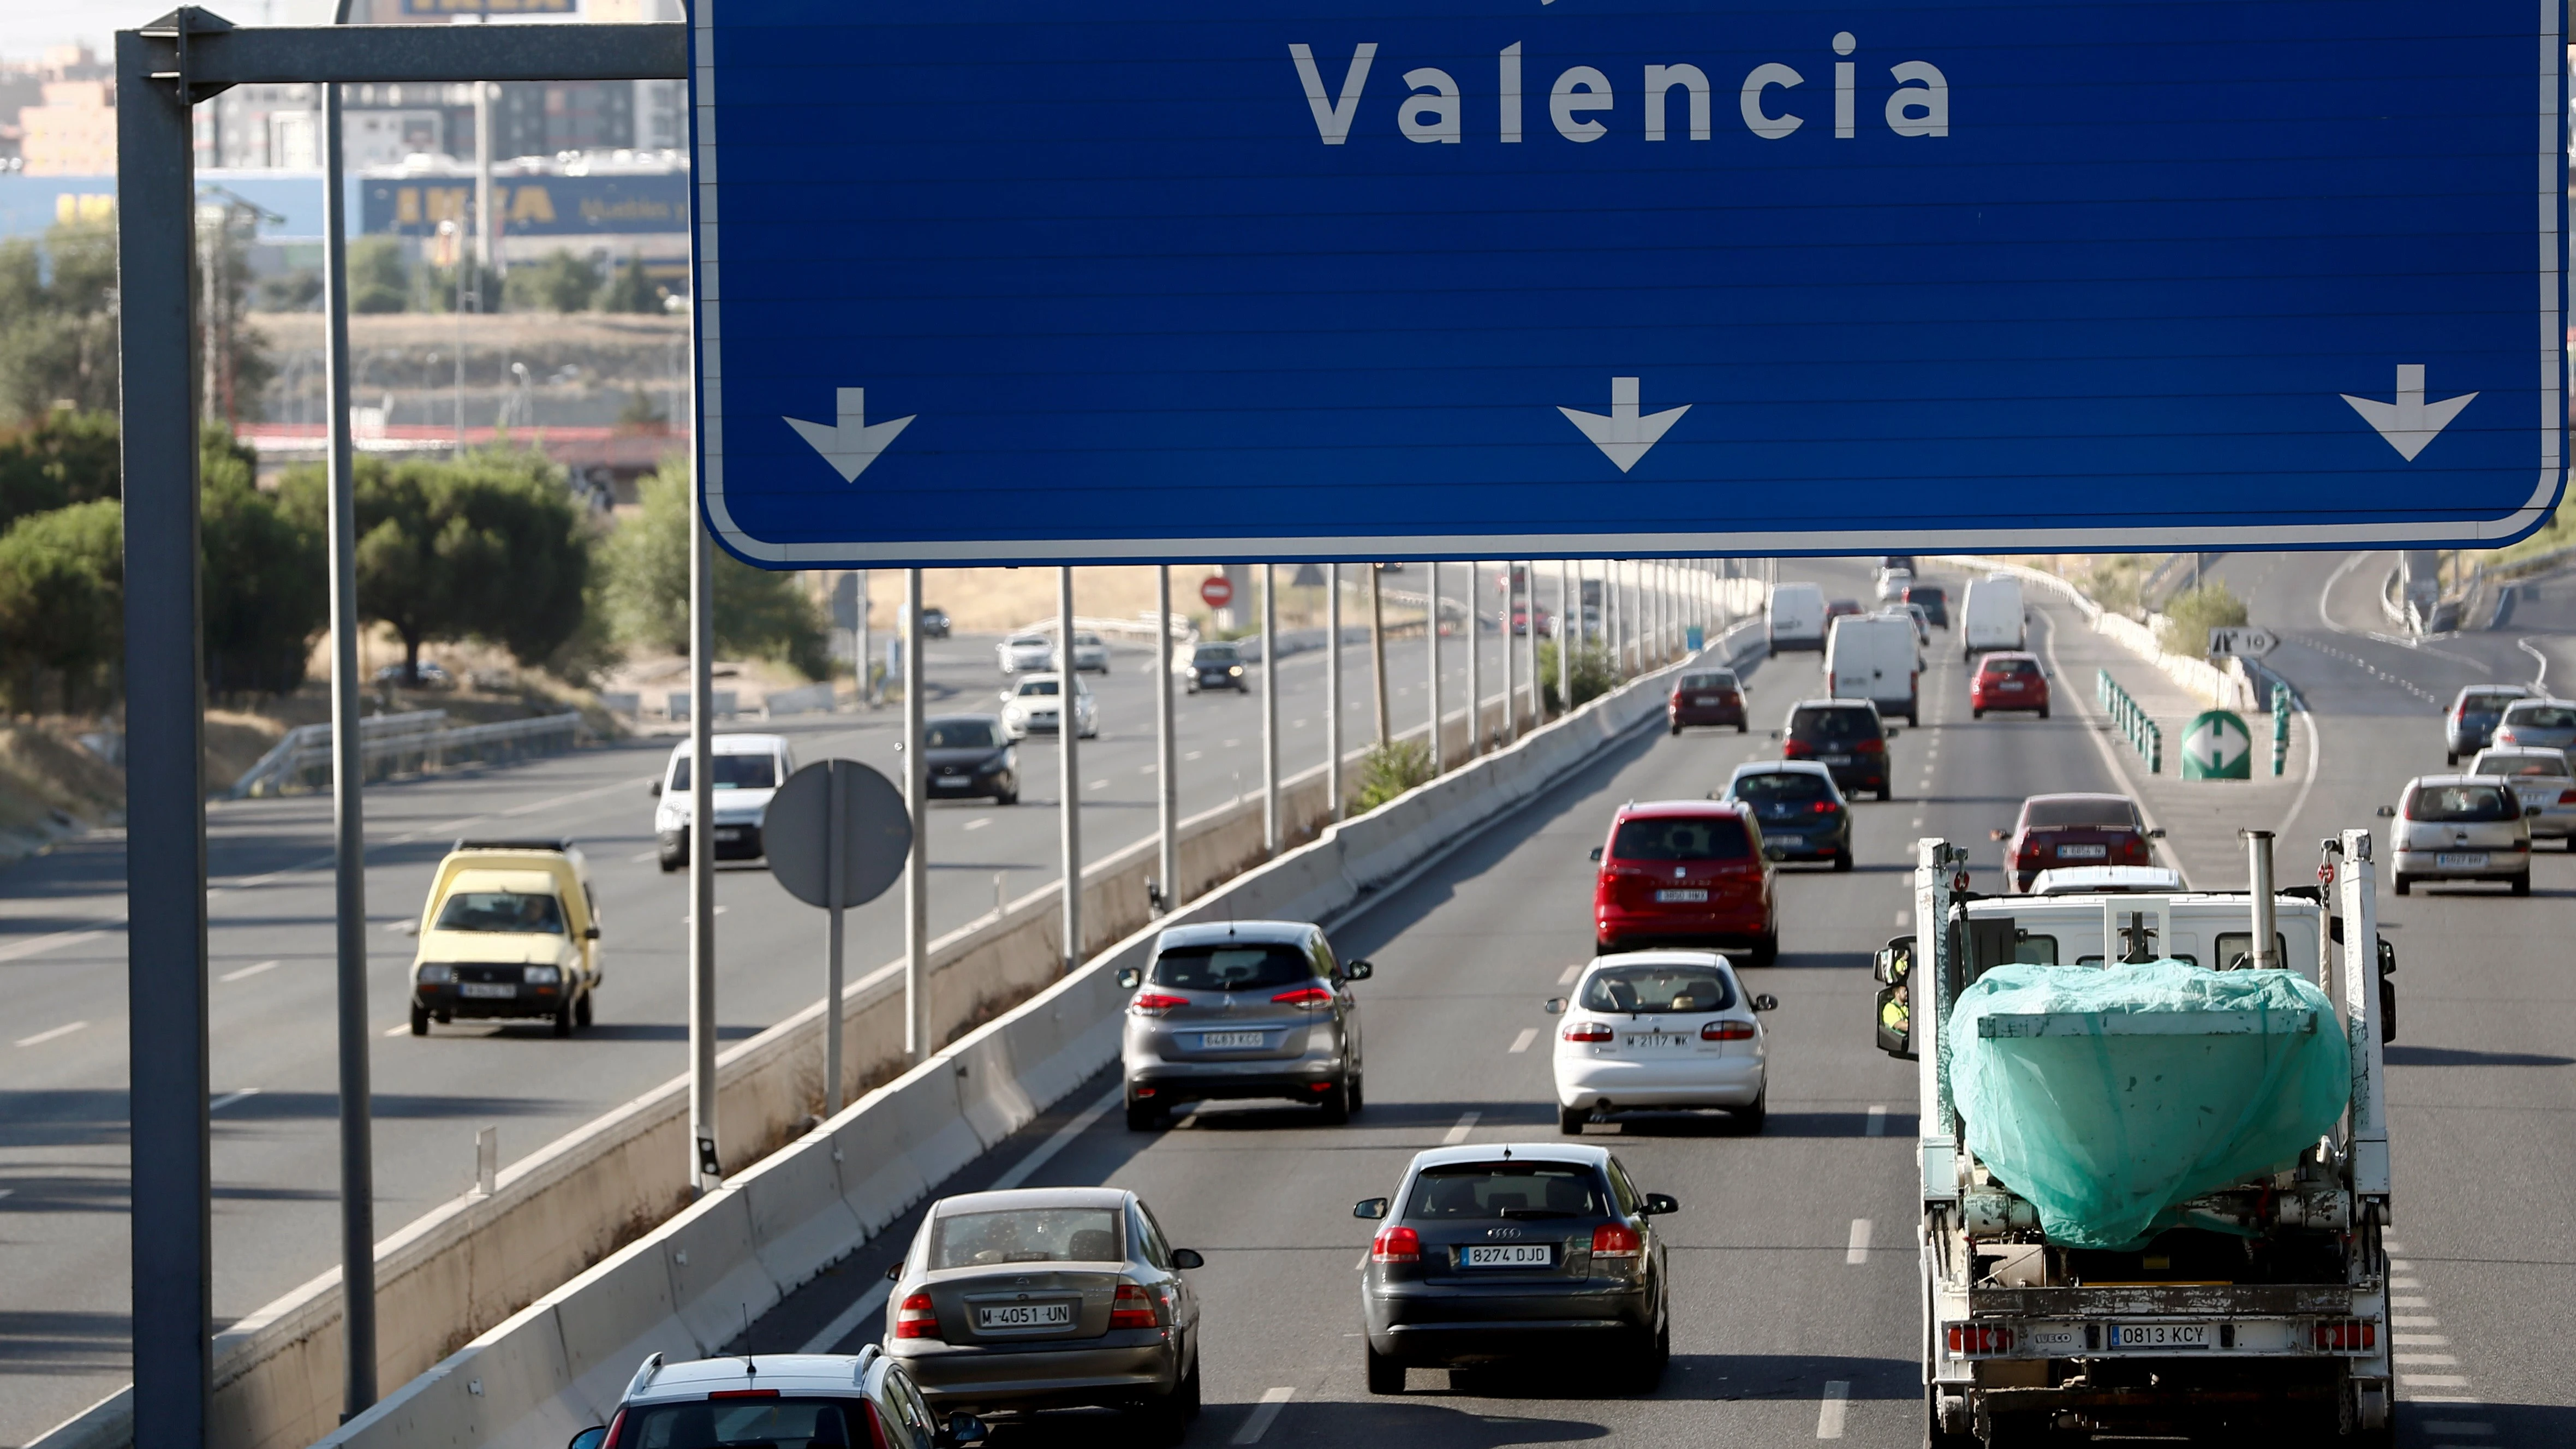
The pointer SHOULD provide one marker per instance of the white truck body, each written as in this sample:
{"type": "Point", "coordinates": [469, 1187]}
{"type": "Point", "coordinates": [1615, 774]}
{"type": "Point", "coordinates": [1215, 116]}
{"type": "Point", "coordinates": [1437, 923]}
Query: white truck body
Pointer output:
{"type": "Point", "coordinates": [1797, 617]}
{"type": "Point", "coordinates": [2020, 1334]}
{"type": "Point", "coordinates": [1990, 617]}
{"type": "Point", "coordinates": [1875, 657]}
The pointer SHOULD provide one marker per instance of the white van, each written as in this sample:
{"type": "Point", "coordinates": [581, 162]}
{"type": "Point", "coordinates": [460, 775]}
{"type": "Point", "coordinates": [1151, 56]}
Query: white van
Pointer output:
{"type": "Point", "coordinates": [1797, 617]}
{"type": "Point", "coordinates": [1991, 617]}
{"type": "Point", "coordinates": [1873, 657]}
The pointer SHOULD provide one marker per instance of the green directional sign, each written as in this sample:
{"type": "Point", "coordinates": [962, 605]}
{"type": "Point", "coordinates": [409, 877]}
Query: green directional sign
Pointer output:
{"type": "Point", "coordinates": [2218, 747]}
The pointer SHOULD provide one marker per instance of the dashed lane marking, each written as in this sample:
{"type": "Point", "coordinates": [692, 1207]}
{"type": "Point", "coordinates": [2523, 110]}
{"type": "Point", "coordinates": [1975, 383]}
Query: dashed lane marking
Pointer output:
{"type": "Point", "coordinates": [1264, 1414]}
{"type": "Point", "coordinates": [1829, 1413]}
{"type": "Point", "coordinates": [400, 1028]}
{"type": "Point", "coordinates": [1566, 977]}
{"type": "Point", "coordinates": [978, 823]}
{"type": "Point", "coordinates": [42, 1037]}
{"type": "Point", "coordinates": [1522, 1042]}
{"type": "Point", "coordinates": [1044, 1153]}
{"type": "Point", "coordinates": [248, 972]}
{"type": "Point", "coordinates": [1858, 1249]}
{"type": "Point", "coordinates": [1195, 755]}
{"type": "Point", "coordinates": [1877, 1122]}
{"type": "Point", "coordinates": [232, 1099]}
{"type": "Point", "coordinates": [1458, 1134]}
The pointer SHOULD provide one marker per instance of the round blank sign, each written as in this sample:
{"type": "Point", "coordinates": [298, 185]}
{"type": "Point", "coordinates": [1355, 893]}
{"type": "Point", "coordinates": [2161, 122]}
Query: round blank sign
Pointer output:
{"type": "Point", "coordinates": [875, 833]}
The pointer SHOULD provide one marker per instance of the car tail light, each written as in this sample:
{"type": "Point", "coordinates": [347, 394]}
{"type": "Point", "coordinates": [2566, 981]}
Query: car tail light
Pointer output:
{"type": "Point", "coordinates": [1822, 807]}
{"type": "Point", "coordinates": [1795, 749]}
{"type": "Point", "coordinates": [1132, 1309]}
{"type": "Point", "coordinates": [916, 1318]}
{"type": "Point", "coordinates": [616, 1426]}
{"type": "Point", "coordinates": [1307, 998]}
{"type": "Point", "coordinates": [876, 1425]}
{"type": "Point", "coordinates": [1616, 1240]}
{"type": "Point", "coordinates": [2134, 849]}
{"type": "Point", "coordinates": [1154, 1003]}
{"type": "Point", "coordinates": [2567, 797]}
{"type": "Point", "coordinates": [1396, 1245]}
{"type": "Point", "coordinates": [1974, 1338]}
{"type": "Point", "coordinates": [1870, 747]}
{"type": "Point", "coordinates": [2347, 1335]}
{"type": "Point", "coordinates": [1727, 1031]}
{"type": "Point", "coordinates": [744, 1394]}
{"type": "Point", "coordinates": [2029, 856]}
{"type": "Point", "coordinates": [1587, 1031]}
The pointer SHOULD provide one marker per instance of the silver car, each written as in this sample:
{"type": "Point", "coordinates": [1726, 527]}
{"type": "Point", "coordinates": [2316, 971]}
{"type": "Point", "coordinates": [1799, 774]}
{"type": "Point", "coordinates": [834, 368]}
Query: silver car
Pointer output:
{"type": "Point", "coordinates": [2548, 724]}
{"type": "Point", "coordinates": [2459, 828]}
{"type": "Point", "coordinates": [1031, 707]}
{"type": "Point", "coordinates": [2542, 779]}
{"type": "Point", "coordinates": [1242, 1009]}
{"type": "Point", "coordinates": [1022, 652]}
{"type": "Point", "coordinates": [1048, 1298]}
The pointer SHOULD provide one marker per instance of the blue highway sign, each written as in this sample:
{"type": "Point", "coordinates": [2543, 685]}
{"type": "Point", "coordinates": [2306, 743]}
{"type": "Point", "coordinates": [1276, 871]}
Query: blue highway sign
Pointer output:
{"type": "Point", "coordinates": [1003, 281]}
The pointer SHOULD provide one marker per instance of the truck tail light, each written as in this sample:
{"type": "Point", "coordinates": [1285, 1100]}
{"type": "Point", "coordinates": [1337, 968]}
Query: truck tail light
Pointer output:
{"type": "Point", "coordinates": [1132, 1309]}
{"type": "Point", "coordinates": [1396, 1244]}
{"type": "Point", "coordinates": [1968, 1339]}
{"type": "Point", "coordinates": [916, 1318]}
{"type": "Point", "coordinates": [1727, 1031]}
{"type": "Point", "coordinates": [2347, 1335]}
{"type": "Point", "coordinates": [1587, 1031]}
{"type": "Point", "coordinates": [1154, 1003]}
{"type": "Point", "coordinates": [1616, 1240]}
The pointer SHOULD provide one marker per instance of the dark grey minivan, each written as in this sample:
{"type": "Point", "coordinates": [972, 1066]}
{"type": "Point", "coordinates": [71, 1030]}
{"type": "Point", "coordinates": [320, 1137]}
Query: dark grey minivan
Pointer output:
{"type": "Point", "coordinates": [1242, 1009]}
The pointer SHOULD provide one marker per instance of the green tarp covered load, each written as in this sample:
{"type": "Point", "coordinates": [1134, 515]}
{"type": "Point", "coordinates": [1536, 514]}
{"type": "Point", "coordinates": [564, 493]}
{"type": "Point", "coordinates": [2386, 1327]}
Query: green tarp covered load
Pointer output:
{"type": "Point", "coordinates": [2109, 1096]}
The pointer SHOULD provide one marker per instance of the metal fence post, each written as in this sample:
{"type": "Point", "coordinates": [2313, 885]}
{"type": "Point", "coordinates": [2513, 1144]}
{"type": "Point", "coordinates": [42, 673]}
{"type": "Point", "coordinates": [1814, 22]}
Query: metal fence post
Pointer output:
{"type": "Point", "coordinates": [1067, 727]}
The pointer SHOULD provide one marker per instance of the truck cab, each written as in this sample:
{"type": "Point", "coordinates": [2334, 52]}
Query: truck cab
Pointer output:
{"type": "Point", "coordinates": [510, 931]}
{"type": "Point", "coordinates": [2255, 1303]}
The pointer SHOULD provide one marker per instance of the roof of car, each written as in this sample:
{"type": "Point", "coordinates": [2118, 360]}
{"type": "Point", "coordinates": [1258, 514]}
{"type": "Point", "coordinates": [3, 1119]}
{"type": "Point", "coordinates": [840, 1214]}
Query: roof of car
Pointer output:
{"type": "Point", "coordinates": [2540, 700]}
{"type": "Point", "coordinates": [2078, 795]}
{"type": "Point", "coordinates": [1029, 1197]}
{"type": "Point", "coordinates": [993, 719]}
{"type": "Point", "coordinates": [1286, 933]}
{"type": "Point", "coordinates": [1567, 1152]}
{"type": "Point", "coordinates": [2076, 880]}
{"type": "Point", "coordinates": [2462, 778]}
{"type": "Point", "coordinates": [789, 1373]}
{"type": "Point", "coordinates": [1994, 654]}
{"type": "Point", "coordinates": [1676, 809]}
{"type": "Point", "coordinates": [2517, 690]}
{"type": "Point", "coordinates": [1780, 767]}
{"type": "Point", "coordinates": [2516, 752]}
{"type": "Point", "coordinates": [1835, 704]}
{"type": "Point", "coordinates": [739, 744]}
{"type": "Point", "coordinates": [1665, 956]}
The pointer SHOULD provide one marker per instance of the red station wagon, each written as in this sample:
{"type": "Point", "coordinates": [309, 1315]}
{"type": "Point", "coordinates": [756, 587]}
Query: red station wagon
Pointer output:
{"type": "Point", "coordinates": [2068, 830]}
{"type": "Point", "coordinates": [2008, 681]}
{"type": "Point", "coordinates": [1685, 871]}
{"type": "Point", "coordinates": [1706, 697]}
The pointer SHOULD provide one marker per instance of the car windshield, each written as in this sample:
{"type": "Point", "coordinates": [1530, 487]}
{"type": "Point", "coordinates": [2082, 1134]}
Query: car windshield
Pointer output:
{"type": "Point", "coordinates": [2462, 804]}
{"type": "Point", "coordinates": [2104, 810]}
{"type": "Point", "coordinates": [1686, 837]}
{"type": "Point", "coordinates": [1820, 724]}
{"type": "Point", "coordinates": [1217, 654]}
{"type": "Point", "coordinates": [2010, 668]}
{"type": "Point", "coordinates": [1719, 680]}
{"type": "Point", "coordinates": [1027, 1235]}
{"type": "Point", "coordinates": [1781, 787]}
{"type": "Point", "coordinates": [514, 911]}
{"type": "Point", "coordinates": [2491, 763]}
{"type": "Point", "coordinates": [2541, 716]}
{"type": "Point", "coordinates": [767, 1423]}
{"type": "Point", "coordinates": [1086, 640]}
{"type": "Point", "coordinates": [1030, 687]}
{"type": "Point", "coordinates": [1658, 989]}
{"type": "Point", "coordinates": [1031, 641]}
{"type": "Point", "coordinates": [1507, 1190]}
{"type": "Point", "coordinates": [733, 772]}
{"type": "Point", "coordinates": [961, 734]}
{"type": "Point", "coordinates": [1249, 966]}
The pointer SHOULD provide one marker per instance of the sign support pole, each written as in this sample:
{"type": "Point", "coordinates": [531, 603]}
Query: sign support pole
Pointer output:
{"type": "Point", "coordinates": [1377, 653]}
{"type": "Point", "coordinates": [1503, 628]}
{"type": "Point", "coordinates": [916, 799]}
{"type": "Point", "coordinates": [707, 1170]}
{"type": "Point", "coordinates": [835, 818]}
{"type": "Point", "coordinates": [1569, 630]}
{"type": "Point", "coordinates": [1431, 648]}
{"type": "Point", "coordinates": [1475, 670]}
{"type": "Point", "coordinates": [1067, 726]}
{"type": "Point", "coordinates": [1269, 709]}
{"type": "Point", "coordinates": [1333, 691]}
{"type": "Point", "coordinates": [1166, 789]}
{"type": "Point", "coordinates": [1529, 640]}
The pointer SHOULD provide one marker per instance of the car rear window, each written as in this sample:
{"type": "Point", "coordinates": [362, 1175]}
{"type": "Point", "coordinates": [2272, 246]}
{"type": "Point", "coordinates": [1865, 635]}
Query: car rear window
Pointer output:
{"type": "Point", "coordinates": [1924, 594]}
{"type": "Point", "coordinates": [769, 1423]}
{"type": "Point", "coordinates": [2464, 804]}
{"type": "Point", "coordinates": [2541, 716]}
{"type": "Point", "coordinates": [733, 772]}
{"type": "Point", "coordinates": [2010, 668]}
{"type": "Point", "coordinates": [1826, 724]}
{"type": "Point", "coordinates": [1794, 787]}
{"type": "Point", "coordinates": [1706, 681]}
{"type": "Point", "coordinates": [501, 911]}
{"type": "Point", "coordinates": [1685, 837]}
{"type": "Point", "coordinates": [2486, 701]}
{"type": "Point", "coordinates": [1659, 989]}
{"type": "Point", "coordinates": [1248, 967]}
{"type": "Point", "coordinates": [1507, 1190]}
{"type": "Point", "coordinates": [2491, 763]}
{"type": "Point", "coordinates": [2087, 810]}
{"type": "Point", "coordinates": [961, 734]}
{"type": "Point", "coordinates": [1027, 1235]}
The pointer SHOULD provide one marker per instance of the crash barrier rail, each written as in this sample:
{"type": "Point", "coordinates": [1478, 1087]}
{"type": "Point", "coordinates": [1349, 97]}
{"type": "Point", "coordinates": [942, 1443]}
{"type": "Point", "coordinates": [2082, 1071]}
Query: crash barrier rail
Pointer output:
{"type": "Point", "coordinates": [621, 701]}
{"type": "Point", "coordinates": [2130, 718]}
{"type": "Point", "coordinates": [808, 699]}
{"type": "Point", "coordinates": [686, 1288]}
{"type": "Point", "coordinates": [480, 1258]}
{"type": "Point", "coordinates": [2280, 728]}
{"type": "Point", "coordinates": [407, 744]}
{"type": "Point", "coordinates": [722, 703]}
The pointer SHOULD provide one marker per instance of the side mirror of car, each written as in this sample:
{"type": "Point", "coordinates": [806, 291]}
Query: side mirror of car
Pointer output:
{"type": "Point", "coordinates": [1553, 1006]}
{"type": "Point", "coordinates": [894, 1271]}
{"type": "Point", "coordinates": [2530, 812]}
{"type": "Point", "coordinates": [1369, 1207]}
{"type": "Point", "coordinates": [1659, 1203]}
{"type": "Point", "coordinates": [1891, 731]}
{"type": "Point", "coordinates": [1596, 852]}
{"type": "Point", "coordinates": [1775, 734]}
{"type": "Point", "coordinates": [1766, 1002]}
{"type": "Point", "coordinates": [1359, 970]}
{"type": "Point", "coordinates": [1187, 1258]}
{"type": "Point", "coordinates": [590, 1438]}
{"type": "Point", "coordinates": [2387, 812]}
{"type": "Point", "coordinates": [1895, 1024]}
{"type": "Point", "coordinates": [590, 934]}
{"type": "Point", "coordinates": [1129, 978]}
{"type": "Point", "coordinates": [1775, 852]}
{"type": "Point", "coordinates": [2156, 832]}
{"type": "Point", "coordinates": [1998, 834]}
{"type": "Point", "coordinates": [657, 794]}
{"type": "Point", "coordinates": [965, 1429]}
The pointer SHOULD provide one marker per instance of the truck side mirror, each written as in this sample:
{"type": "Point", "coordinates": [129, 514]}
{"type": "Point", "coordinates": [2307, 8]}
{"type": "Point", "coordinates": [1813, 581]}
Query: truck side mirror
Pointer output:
{"type": "Point", "coordinates": [1895, 1022]}
{"type": "Point", "coordinates": [591, 933]}
{"type": "Point", "coordinates": [2387, 991]}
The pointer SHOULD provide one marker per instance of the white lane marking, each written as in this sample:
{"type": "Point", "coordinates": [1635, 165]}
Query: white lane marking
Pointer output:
{"type": "Point", "coordinates": [1194, 754]}
{"type": "Point", "coordinates": [1915, 824]}
{"type": "Point", "coordinates": [1829, 1414]}
{"type": "Point", "coordinates": [247, 972]}
{"type": "Point", "coordinates": [2391, 1246]}
{"type": "Point", "coordinates": [1044, 1153]}
{"type": "Point", "coordinates": [1458, 1134]}
{"type": "Point", "coordinates": [1144, 769]}
{"type": "Point", "coordinates": [2410, 1301]}
{"type": "Point", "coordinates": [869, 1303]}
{"type": "Point", "coordinates": [1903, 916]}
{"type": "Point", "coordinates": [1231, 744]}
{"type": "Point", "coordinates": [42, 1037]}
{"type": "Point", "coordinates": [2420, 1340]}
{"type": "Point", "coordinates": [230, 1098]}
{"type": "Point", "coordinates": [691, 916]}
{"type": "Point", "coordinates": [2405, 1282]}
{"type": "Point", "coordinates": [1296, 724]}
{"type": "Point", "coordinates": [1877, 1121]}
{"type": "Point", "coordinates": [641, 856]}
{"type": "Point", "coordinates": [2539, 680]}
{"type": "Point", "coordinates": [1097, 785]}
{"type": "Point", "coordinates": [1522, 1042]}
{"type": "Point", "coordinates": [2426, 1360]}
{"type": "Point", "coordinates": [400, 1028]}
{"type": "Point", "coordinates": [978, 823]}
{"type": "Point", "coordinates": [1264, 1414]}
{"type": "Point", "coordinates": [1858, 1251]}
{"type": "Point", "coordinates": [1363, 1262]}
{"type": "Point", "coordinates": [1566, 977]}
{"type": "Point", "coordinates": [2434, 1381]}
{"type": "Point", "coordinates": [2414, 1320]}
{"type": "Point", "coordinates": [41, 944]}
{"type": "Point", "coordinates": [2398, 1265]}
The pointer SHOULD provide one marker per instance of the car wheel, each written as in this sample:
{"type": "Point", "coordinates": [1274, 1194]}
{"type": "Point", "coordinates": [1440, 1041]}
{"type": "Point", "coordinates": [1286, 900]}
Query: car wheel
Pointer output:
{"type": "Point", "coordinates": [1357, 1100]}
{"type": "Point", "coordinates": [1646, 1370]}
{"type": "Point", "coordinates": [1741, 727]}
{"type": "Point", "coordinates": [1144, 1116]}
{"type": "Point", "coordinates": [1976, 714]}
{"type": "Point", "coordinates": [419, 1020]}
{"type": "Point", "coordinates": [2043, 711]}
{"type": "Point", "coordinates": [1886, 793]}
{"type": "Point", "coordinates": [2405, 885]}
{"type": "Point", "coordinates": [1749, 1119]}
{"type": "Point", "coordinates": [1188, 1395]}
{"type": "Point", "coordinates": [1842, 859]}
{"type": "Point", "coordinates": [2450, 757]}
{"type": "Point", "coordinates": [2522, 884]}
{"type": "Point", "coordinates": [1385, 1375]}
{"type": "Point", "coordinates": [1008, 797]}
{"type": "Point", "coordinates": [671, 863]}
{"type": "Point", "coordinates": [1767, 950]}
{"type": "Point", "coordinates": [581, 1012]}
{"type": "Point", "coordinates": [1677, 729]}
{"type": "Point", "coordinates": [563, 1020]}
{"type": "Point", "coordinates": [1570, 1120]}
{"type": "Point", "coordinates": [1337, 1104]}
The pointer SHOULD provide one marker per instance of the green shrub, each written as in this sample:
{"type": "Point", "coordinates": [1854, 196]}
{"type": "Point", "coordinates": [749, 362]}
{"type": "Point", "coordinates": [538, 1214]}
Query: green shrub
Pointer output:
{"type": "Point", "coordinates": [1392, 768]}
{"type": "Point", "coordinates": [557, 282]}
{"type": "Point", "coordinates": [757, 611]}
{"type": "Point", "coordinates": [1595, 674]}
{"type": "Point", "coordinates": [379, 279]}
{"type": "Point", "coordinates": [2191, 614]}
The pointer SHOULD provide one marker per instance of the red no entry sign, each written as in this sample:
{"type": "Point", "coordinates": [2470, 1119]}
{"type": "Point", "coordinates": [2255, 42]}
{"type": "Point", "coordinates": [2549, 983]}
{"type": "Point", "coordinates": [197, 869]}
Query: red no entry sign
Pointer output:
{"type": "Point", "coordinates": [1216, 592]}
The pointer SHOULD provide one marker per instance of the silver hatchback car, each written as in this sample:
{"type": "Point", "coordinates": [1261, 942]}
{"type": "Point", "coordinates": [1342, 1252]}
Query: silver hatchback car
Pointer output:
{"type": "Point", "coordinates": [2547, 724]}
{"type": "Point", "coordinates": [2460, 828]}
{"type": "Point", "coordinates": [2542, 779]}
{"type": "Point", "coordinates": [1242, 1009]}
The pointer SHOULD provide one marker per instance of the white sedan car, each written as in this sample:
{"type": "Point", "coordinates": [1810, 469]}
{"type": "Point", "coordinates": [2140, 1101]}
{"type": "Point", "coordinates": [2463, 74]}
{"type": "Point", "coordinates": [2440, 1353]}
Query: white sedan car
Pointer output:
{"type": "Point", "coordinates": [1658, 1030]}
{"type": "Point", "coordinates": [1892, 584]}
{"type": "Point", "coordinates": [2542, 778]}
{"type": "Point", "coordinates": [1031, 707]}
{"type": "Point", "coordinates": [1026, 651]}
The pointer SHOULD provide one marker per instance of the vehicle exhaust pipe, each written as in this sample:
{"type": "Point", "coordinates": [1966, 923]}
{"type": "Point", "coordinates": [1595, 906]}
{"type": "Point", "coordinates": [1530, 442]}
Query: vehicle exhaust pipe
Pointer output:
{"type": "Point", "coordinates": [2258, 862]}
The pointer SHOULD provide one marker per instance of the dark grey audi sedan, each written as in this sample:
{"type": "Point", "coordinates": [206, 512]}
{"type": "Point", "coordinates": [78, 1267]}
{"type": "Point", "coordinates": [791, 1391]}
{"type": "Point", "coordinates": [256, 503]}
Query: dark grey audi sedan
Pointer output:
{"type": "Point", "coordinates": [1048, 1298]}
{"type": "Point", "coordinates": [1516, 1250]}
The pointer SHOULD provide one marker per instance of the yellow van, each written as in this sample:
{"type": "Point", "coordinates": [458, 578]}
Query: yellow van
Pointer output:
{"type": "Point", "coordinates": [511, 930]}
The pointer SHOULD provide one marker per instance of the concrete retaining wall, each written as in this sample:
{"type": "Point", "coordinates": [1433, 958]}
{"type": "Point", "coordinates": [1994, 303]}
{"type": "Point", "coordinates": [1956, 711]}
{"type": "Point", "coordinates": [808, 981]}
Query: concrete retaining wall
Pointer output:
{"type": "Point", "coordinates": [682, 1289]}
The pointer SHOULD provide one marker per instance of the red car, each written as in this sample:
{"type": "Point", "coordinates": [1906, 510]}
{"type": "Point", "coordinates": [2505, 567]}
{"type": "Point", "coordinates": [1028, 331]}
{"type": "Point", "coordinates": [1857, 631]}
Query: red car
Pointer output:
{"type": "Point", "coordinates": [1685, 871]}
{"type": "Point", "coordinates": [1706, 697]}
{"type": "Point", "coordinates": [1521, 622]}
{"type": "Point", "coordinates": [2008, 681]}
{"type": "Point", "coordinates": [2068, 830]}
{"type": "Point", "coordinates": [1836, 608]}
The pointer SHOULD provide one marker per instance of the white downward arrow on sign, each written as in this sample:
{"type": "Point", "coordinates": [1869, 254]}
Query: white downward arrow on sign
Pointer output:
{"type": "Point", "coordinates": [1625, 435]}
{"type": "Point", "coordinates": [2220, 744]}
{"type": "Point", "coordinates": [853, 443]}
{"type": "Point", "coordinates": [2410, 424]}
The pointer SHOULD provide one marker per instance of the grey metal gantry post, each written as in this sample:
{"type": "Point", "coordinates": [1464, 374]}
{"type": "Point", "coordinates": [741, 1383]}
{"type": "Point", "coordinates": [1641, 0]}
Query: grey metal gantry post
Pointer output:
{"type": "Point", "coordinates": [1167, 812]}
{"type": "Point", "coordinates": [917, 1045]}
{"type": "Point", "coordinates": [1068, 725]}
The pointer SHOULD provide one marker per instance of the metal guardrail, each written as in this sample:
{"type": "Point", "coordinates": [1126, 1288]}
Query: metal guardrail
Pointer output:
{"type": "Point", "coordinates": [2130, 719]}
{"type": "Point", "coordinates": [406, 744]}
